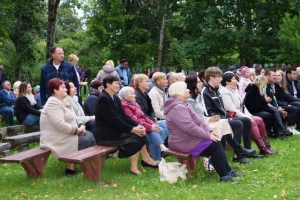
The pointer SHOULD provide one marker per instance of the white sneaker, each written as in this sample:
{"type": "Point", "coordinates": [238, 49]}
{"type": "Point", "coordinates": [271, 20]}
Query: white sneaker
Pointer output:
{"type": "Point", "coordinates": [295, 131]}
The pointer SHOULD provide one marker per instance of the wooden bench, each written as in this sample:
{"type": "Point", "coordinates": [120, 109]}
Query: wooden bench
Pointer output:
{"type": "Point", "coordinates": [23, 140]}
{"type": "Point", "coordinates": [91, 160]}
{"type": "Point", "coordinates": [33, 161]}
{"type": "Point", "coordinates": [184, 158]}
{"type": "Point", "coordinates": [16, 130]}
{"type": "Point", "coordinates": [5, 148]}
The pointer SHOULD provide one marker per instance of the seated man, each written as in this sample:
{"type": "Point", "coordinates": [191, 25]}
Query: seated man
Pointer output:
{"type": "Point", "coordinates": [7, 101]}
{"type": "Point", "coordinates": [213, 105]}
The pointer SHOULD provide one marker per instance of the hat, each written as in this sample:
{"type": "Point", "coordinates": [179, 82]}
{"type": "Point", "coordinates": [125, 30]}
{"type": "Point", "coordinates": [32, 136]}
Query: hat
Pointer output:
{"type": "Point", "coordinates": [37, 88]}
{"type": "Point", "coordinates": [232, 69]}
{"type": "Point", "coordinates": [243, 70]}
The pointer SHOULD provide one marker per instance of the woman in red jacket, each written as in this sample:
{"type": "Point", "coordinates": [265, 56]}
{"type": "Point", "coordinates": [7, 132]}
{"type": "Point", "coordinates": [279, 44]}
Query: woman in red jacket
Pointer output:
{"type": "Point", "coordinates": [133, 110]}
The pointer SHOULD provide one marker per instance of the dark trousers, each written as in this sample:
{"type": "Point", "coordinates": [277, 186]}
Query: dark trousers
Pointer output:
{"type": "Point", "coordinates": [297, 105]}
{"type": "Point", "coordinates": [292, 114]}
{"type": "Point", "coordinates": [269, 121]}
{"type": "Point", "coordinates": [218, 158]}
{"type": "Point", "coordinates": [241, 126]}
{"type": "Point", "coordinates": [277, 116]}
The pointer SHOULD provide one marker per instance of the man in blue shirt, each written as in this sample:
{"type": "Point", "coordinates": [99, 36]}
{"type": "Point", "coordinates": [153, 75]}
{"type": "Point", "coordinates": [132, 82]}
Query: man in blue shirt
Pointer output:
{"type": "Point", "coordinates": [56, 68]}
{"type": "Point", "coordinates": [7, 101]}
{"type": "Point", "coordinates": [124, 72]}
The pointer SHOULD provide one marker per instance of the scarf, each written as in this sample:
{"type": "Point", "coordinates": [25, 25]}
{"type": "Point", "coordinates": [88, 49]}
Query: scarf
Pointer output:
{"type": "Point", "coordinates": [31, 99]}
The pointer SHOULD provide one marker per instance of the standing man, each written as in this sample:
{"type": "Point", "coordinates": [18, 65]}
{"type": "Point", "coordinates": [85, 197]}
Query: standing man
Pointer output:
{"type": "Point", "coordinates": [56, 68]}
{"type": "Point", "coordinates": [7, 99]}
{"type": "Point", "coordinates": [124, 72]}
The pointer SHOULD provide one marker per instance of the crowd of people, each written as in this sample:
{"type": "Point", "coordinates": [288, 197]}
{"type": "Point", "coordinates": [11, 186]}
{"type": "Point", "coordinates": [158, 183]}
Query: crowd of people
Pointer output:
{"type": "Point", "coordinates": [199, 113]}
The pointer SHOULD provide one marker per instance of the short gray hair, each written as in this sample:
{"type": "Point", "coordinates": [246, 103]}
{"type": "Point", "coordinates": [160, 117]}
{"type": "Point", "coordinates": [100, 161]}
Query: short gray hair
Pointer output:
{"type": "Point", "coordinates": [177, 89]}
{"type": "Point", "coordinates": [125, 91]}
{"type": "Point", "coordinates": [170, 75]}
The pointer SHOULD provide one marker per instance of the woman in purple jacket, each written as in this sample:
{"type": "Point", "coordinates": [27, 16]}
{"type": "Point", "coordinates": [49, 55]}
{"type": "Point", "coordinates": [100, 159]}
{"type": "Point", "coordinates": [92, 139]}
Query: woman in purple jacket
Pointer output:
{"type": "Point", "coordinates": [189, 133]}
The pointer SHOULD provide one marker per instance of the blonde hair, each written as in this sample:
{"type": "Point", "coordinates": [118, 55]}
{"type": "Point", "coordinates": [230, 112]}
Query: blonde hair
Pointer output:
{"type": "Point", "coordinates": [157, 76]}
{"type": "Point", "coordinates": [252, 74]}
{"type": "Point", "coordinates": [16, 85]}
{"type": "Point", "coordinates": [177, 89]}
{"type": "Point", "coordinates": [110, 63]}
{"type": "Point", "coordinates": [72, 57]}
{"type": "Point", "coordinates": [138, 78]}
{"type": "Point", "coordinates": [261, 81]}
{"type": "Point", "coordinates": [282, 83]}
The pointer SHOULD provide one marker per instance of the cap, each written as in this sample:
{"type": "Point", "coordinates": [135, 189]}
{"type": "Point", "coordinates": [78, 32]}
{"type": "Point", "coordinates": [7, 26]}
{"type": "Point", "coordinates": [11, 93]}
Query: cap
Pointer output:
{"type": "Point", "coordinates": [232, 69]}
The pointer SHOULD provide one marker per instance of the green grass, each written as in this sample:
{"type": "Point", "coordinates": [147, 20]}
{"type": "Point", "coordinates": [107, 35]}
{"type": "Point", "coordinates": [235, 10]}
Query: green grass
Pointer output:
{"type": "Point", "coordinates": [274, 177]}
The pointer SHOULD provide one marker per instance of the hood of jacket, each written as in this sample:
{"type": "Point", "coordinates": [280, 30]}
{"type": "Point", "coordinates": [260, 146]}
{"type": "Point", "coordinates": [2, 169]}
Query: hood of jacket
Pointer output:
{"type": "Point", "coordinates": [108, 68]}
{"type": "Point", "coordinates": [171, 103]}
{"type": "Point", "coordinates": [251, 86]}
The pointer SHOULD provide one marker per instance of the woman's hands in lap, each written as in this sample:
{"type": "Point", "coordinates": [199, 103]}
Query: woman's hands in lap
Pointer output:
{"type": "Point", "coordinates": [139, 131]}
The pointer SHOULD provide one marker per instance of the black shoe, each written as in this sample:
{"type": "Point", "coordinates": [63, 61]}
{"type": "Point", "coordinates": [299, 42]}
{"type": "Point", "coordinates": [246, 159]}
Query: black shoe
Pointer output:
{"type": "Point", "coordinates": [70, 172]}
{"type": "Point", "coordinates": [242, 152]}
{"type": "Point", "coordinates": [132, 173]}
{"type": "Point", "coordinates": [235, 174]}
{"type": "Point", "coordinates": [256, 156]}
{"type": "Point", "coordinates": [284, 132]}
{"type": "Point", "coordinates": [144, 164]}
{"type": "Point", "coordinates": [240, 160]}
{"type": "Point", "coordinates": [229, 179]}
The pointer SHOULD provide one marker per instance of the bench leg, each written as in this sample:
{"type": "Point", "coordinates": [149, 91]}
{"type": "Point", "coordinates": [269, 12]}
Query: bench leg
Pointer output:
{"type": "Point", "coordinates": [35, 167]}
{"type": "Point", "coordinates": [191, 163]}
{"type": "Point", "coordinates": [5, 153]}
{"type": "Point", "coordinates": [92, 168]}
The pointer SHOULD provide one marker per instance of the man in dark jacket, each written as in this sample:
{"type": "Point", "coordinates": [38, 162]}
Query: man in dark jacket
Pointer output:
{"type": "Point", "coordinates": [56, 68]}
{"type": "Point", "coordinates": [213, 105]}
{"type": "Point", "coordinates": [7, 101]}
{"type": "Point", "coordinates": [292, 85]}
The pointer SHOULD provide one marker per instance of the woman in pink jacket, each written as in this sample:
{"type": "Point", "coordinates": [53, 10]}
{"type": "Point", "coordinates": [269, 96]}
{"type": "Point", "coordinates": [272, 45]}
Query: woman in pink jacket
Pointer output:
{"type": "Point", "coordinates": [244, 80]}
{"type": "Point", "coordinates": [133, 110]}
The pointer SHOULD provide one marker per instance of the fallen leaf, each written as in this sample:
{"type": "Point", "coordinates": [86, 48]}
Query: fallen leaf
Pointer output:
{"type": "Point", "coordinates": [280, 175]}
{"type": "Point", "coordinates": [23, 194]}
{"type": "Point", "coordinates": [133, 189]}
{"type": "Point", "coordinates": [255, 170]}
{"type": "Point", "coordinates": [195, 186]}
{"type": "Point", "coordinates": [144, 170]}
{"type": "Point", "coordinates": [90, 190]}
{"type": "Point", "coordinates": [235, 195]}
{"type": "Point", "coordinates": [139, 198]}
{"type": "Point", "coordinates": [275, 196]}
{"type": "Point", "coordinates": [283, 192]}
{"type": "Point", "coordinates": [114, 185]}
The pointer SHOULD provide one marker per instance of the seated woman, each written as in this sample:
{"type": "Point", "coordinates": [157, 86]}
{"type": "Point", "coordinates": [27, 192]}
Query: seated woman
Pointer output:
{"type": "Point", "coordinates": [115, 128]}
{"type": "Point", "coordinates": [60, 131]}
{"type": "Point", "coordinates": [89, 121]}
{"type": "Point", "coordinates": [190, 134]}
{"type": "Point", "coordinates": [257, 105]}
{"type": "Point", "coordinates": [220, 126]}
{"type": "Point", "coordinates": [141, 82]}
{"type": "Point", "coordinates": [90, 102]}
{"type": "Point", "coordinates": [158, 94]}
{"type": "Point", "coordinates": [27, 110]}
{"type": "Point", "coordinates": [133, 110]}
{"type": "Point", "coordinates": [233, 102]}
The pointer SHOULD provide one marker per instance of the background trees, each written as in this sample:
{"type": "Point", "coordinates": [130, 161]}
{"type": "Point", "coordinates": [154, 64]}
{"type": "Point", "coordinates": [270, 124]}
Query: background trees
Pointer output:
{"type": "Point", "coordinates": [197, 34]}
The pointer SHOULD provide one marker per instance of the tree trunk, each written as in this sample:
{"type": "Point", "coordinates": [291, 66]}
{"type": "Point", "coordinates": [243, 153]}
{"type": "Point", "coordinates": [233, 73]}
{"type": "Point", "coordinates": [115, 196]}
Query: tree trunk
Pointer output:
{"type": "Point", "coordinates": [161, 43]}
{"type": "Point", "coordinates": [52, 12]}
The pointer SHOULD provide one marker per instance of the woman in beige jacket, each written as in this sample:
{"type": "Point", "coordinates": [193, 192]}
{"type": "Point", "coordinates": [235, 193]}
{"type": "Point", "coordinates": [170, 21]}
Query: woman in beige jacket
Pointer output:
{"type": "Point", "coordinates": [60, 131]}
{"type": "Point", "coordinates": [158, 94]}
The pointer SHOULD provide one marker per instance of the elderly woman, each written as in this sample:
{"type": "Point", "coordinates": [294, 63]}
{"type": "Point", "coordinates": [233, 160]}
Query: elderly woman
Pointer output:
{"type": "Point", "coordinates": [141, 83]}
{"type": "Point", "coordinates": [233, 102]}
{"type": "Point", "coordinates": [158, 94]}
{"type": "Point", "coordinates": [257, 105]}
{"type": "Point", "coordinates": [107, 70]}
{"type": "Point", "coordinates": [115, 128]}
{"type": "Point", "coordinates": [190, 134]}
{"type": "Point", "coordinates": [90, 103]}
{"type": "Point", "coordinates": [133, 110]}
{"type": "Point", "coordinates": [60, 131]}
{"type": "Point", "coordinates": [27, 110]}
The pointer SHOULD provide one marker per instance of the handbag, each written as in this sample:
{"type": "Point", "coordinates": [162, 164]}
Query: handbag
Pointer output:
{"type": "Point", "coordinates": [232, 113]}
{"type": "Point", "coordinates": [171, 171]}
{"type": "Point", "coordinates": [208, 164]}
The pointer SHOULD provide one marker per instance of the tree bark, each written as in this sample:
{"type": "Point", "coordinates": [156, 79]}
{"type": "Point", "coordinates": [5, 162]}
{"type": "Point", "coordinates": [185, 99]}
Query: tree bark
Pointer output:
{"type": "Point", "coordinates": [52, 13]}
{"type": "Point", "coordinates": [161, 43]}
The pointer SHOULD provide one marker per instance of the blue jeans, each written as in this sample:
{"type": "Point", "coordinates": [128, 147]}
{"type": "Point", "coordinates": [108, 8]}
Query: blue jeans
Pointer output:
{"type": "Point", "coordinates": [32, 120]}
{"type": "Point", "coordinates": [8, 112]}
{"type": "Point", "coordinates": [154, 140]}
{"type": "Point", "coordinates": [164, 132]}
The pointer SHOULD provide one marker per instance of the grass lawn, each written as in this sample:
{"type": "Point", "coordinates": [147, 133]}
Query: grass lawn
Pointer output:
{"type": "Point", "coordinates": [274, 177]}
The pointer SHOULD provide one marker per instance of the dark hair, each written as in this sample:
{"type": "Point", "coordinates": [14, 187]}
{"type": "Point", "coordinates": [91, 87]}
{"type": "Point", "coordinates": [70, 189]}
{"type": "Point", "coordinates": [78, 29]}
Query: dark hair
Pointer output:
{"type": "Point", "coordinates": [191, 82]}
{"type": "Point", "coordinates": [227, 76]}
{"type": "Point", "coordinates": [54, 85]}
{"type": "Point", "coordinates": [201, 75]}
{"type": "Point", "coordinates": [290, 69]}
{"type": "Point", "coordinates": [268, 72]}
{"type": "Point", "coordinates": [95, 84]}
{"type": "Point", "coordinates": [151, 74]}
{"type": "Point", "coordinates": [53, 49]}
{"type": "Point", "coordinates": [109, 80]}
{"type": "Point", "coordinates": [122, 60]}
{"type": "Point", "coordinates": [23, 88]}
{"type": "Point", "coordinates": [67, 83]}
{"type": "Point", "coordinates": [258, 70]}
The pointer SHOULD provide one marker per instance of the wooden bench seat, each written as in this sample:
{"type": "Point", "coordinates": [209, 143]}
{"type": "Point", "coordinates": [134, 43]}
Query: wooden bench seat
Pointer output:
{"type": "Point", "coordinates": [33, 161]}
{"type": "Point", "coordinates": [184, 158]}
{"type": "Point", "coordinates": [16, 130]}
{"type": "Point", "coordinates": [91, 160]}
{"type": "Point", "coordinates": [5, 148]}
{"type": "Point", "coordinates": [23, 140]}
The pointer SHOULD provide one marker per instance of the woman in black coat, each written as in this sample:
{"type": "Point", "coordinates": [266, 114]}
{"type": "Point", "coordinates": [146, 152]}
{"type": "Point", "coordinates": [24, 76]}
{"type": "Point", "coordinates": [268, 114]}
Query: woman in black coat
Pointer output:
{"type": "Point", "coordinates": [27, 110]}
{"type": "Point", "coordinates": [114, 128]}
{"type": "Point", "coordinates": [90, 103]}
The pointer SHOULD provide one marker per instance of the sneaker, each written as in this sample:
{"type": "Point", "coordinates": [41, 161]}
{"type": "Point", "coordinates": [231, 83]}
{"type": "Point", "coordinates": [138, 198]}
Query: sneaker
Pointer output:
{"type": "Point", "coordinates": [229, 179]}
{"type": "Point", "coordinates": [235, 174]}
{"type": "Point", "coordinates": [240, 160]}
{"type": "Point", "coordinates": [294, 131]}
